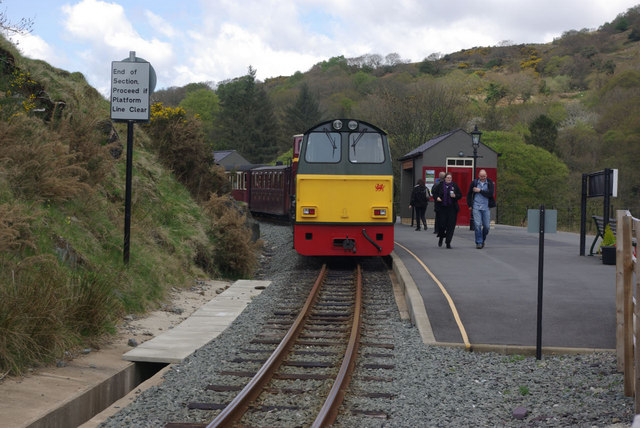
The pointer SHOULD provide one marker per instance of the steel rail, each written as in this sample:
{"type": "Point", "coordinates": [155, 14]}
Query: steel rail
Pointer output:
{"type": "Point", "coordinates": [239, 405]}
{"type": "Point", "coordinates": [329, 411]}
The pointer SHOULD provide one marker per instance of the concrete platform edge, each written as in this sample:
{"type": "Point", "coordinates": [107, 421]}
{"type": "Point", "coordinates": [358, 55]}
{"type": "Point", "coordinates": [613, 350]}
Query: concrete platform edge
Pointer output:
{"type": "Point", "coordinates": [413, 298]}
{"type": "Point", "coordinates": [123, 402]}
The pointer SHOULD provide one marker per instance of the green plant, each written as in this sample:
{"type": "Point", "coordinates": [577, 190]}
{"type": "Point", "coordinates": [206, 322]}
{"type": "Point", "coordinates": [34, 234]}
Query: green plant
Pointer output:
{"type": "Point", "coordinates": [524, 390]}
{"type": "Point", "coordinates": [609, 239]}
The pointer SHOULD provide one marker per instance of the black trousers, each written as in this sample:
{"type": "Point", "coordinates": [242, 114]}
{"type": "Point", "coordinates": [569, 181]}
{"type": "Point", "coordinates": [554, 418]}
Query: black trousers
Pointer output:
{"type": "Point", "coordinates": [420, 216]}
{"type": "Point", "coordinates": [446, 218]}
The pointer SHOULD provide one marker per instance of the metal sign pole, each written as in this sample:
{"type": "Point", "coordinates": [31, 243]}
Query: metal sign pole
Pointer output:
{"type": "Point", "coordinates": [540, 277]}
{"type": "Point", "coordinates": [127, 197]}
{"type": "Point", "coordinates": [132, 82]}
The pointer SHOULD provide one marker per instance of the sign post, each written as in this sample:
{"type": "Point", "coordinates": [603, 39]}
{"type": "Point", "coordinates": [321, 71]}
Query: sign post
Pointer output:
{"type": "Point", "coordinates": [132, 82]}
{"type": "Point", "coordinates": [540, 221]}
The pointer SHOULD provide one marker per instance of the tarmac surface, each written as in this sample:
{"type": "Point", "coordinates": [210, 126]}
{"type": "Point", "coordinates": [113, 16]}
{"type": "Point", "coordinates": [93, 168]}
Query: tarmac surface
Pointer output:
{"type": "Point", "coordinates": [495, 289]}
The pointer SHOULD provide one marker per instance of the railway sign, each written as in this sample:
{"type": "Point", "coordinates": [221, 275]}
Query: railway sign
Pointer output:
{"type": "Point", "coordinates": [132, 81]}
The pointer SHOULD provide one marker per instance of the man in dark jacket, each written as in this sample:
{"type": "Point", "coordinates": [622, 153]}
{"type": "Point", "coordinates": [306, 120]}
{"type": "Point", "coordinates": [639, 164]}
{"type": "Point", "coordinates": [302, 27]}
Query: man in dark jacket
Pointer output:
{"type": "Point", "coordinates": [480, 199]}
{"type": "Point", "coordinates": [439, 182]}
{"type": "Point", "coordinates": [419, 201]}
{"type": "Point", "coordinates": [446, 198]}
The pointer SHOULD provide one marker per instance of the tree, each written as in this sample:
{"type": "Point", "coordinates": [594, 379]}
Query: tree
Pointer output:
{"type": "Point", "coordinates": [544, 133]}
{"type": "Point", "coordinates": [304, 113]}
{"type": "Point", "coordinates": [246, 121]}
{"type": "Point", "coordinates": [525, 175]}
{"type": "Point", "coordinates": [205, 104]}
{"type": "Point", "coordinates": [24, 26]}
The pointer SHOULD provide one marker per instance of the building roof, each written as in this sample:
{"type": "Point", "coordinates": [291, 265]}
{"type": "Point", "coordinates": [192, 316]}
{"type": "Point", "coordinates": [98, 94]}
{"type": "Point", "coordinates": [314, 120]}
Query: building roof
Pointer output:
{"type": "Point", "coordinates": [432, 142]}
{"type": "Point", "coordinates": [218, 155]}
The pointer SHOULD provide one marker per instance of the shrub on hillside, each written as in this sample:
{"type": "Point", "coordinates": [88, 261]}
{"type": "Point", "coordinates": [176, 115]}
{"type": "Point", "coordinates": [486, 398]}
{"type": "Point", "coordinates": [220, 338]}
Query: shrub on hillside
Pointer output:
{"type": "Point", "coordinates": [235, 253]}
{"type": "Point", "coordinates": [179, 142]}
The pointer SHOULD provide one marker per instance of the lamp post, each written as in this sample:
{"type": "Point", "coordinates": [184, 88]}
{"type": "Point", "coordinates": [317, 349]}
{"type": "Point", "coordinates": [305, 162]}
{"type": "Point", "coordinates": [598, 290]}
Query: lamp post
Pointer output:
{"type": "Point", "coordinates": [475, 142]}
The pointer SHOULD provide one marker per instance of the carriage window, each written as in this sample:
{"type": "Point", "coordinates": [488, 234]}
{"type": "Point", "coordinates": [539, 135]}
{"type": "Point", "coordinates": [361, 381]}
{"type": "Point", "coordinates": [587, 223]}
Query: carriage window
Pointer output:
{"type": "Point", "coordinates": [366, 148]}
{"type": "Point", "coordinates": [323, 147]}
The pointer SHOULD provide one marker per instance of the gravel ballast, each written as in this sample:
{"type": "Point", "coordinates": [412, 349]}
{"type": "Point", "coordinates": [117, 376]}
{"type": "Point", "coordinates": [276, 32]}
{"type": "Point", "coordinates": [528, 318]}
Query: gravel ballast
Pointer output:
{"type": "Point", "coordinates": [433, 386]}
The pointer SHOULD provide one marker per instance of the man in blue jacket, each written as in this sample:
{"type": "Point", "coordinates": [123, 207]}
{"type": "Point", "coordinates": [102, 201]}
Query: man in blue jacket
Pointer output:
{"type": "Point", "coordinates": [480, 200]}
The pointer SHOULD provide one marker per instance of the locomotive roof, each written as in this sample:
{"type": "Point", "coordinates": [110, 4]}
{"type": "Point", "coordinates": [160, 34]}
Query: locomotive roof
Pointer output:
{"type": "Point", "coordinates": [322, 127]}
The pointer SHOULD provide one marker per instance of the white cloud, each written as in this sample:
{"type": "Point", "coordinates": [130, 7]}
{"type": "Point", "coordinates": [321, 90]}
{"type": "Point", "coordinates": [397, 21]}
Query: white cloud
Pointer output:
{"type": "Point", "coordinates": [35, 47]}
{"type": "Point", "coordinates": [110, 36]}
{"type": "Point", "coordinates": [160, 24]}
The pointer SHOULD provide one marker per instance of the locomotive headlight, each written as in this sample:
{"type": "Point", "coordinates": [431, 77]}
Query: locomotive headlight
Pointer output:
{"type": "Point", "coordinates": [380, 212]}
{"type": "Point", "coordinates": [309, 211]}
{"type": "Point", "coordinates": [353, 125]}
{"type": "Point", "coordinates": [337, 125]}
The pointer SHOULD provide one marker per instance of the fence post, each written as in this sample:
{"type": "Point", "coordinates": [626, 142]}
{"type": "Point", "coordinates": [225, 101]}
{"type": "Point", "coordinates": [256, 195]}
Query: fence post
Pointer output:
{"type": "Point", "coordinates": [620, 338]}
{"type": "Point", "coordinates": [625, 234]}
{"type": "Point", "coordinates": [636, 268]}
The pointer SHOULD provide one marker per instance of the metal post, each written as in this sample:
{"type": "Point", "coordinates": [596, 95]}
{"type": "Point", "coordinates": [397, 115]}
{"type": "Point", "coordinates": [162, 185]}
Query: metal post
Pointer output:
{"type": "Point", "coordinates": [127, 197]}
{"type": "Point", "coordinates": [475, 158]}
{"type": "Point", "coordinates": [583, 214]}
{"type": "Point", "coordinates": [607, 194]}
{"type": "Point", "coordinates": [540, 277]}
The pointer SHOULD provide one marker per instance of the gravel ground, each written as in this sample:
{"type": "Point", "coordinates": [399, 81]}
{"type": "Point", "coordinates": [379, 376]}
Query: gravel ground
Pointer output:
{"type": "Point", "coordinates": [434, 386]}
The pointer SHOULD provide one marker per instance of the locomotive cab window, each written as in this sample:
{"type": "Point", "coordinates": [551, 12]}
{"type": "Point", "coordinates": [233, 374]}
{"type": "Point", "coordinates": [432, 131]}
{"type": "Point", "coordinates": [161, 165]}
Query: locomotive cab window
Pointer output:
{"type": "Point", "coordinates": [323, 147]}
{"type": "Point", "coordinates": [366, 148]}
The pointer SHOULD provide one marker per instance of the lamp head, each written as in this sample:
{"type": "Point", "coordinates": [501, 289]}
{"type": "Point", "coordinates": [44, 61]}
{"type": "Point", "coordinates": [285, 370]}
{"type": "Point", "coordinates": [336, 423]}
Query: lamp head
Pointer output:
{"type": "Point", "coordinates": [475, 137]}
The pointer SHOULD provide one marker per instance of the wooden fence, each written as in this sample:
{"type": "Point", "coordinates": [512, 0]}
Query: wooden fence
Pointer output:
{"type": "Point", "coordinates": [627, 311]}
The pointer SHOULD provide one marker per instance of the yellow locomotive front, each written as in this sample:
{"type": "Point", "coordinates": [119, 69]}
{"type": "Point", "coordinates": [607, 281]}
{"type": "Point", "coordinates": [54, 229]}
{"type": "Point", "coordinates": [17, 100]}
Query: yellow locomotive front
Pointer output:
{"type": "Point", "coordinates": [344, 191]}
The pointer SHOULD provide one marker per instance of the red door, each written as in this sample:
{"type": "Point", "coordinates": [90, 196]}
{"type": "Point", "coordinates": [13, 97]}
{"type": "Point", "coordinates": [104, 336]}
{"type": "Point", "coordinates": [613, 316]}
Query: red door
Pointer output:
{"type": "Point", "coordinates": [462, 177]}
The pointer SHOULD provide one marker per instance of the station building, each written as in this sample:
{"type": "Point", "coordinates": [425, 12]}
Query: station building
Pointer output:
{"type": "Point", "coordinates": [450, 152]}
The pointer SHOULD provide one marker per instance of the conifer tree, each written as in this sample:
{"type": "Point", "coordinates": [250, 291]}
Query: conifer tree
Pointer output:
{"type": "Point", "coordinates": [246, 122]}
{"type": "Point", "coordinates": [305, 112]}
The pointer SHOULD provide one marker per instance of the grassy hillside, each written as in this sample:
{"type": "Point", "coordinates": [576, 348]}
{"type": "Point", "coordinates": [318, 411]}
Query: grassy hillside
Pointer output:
{"type": "Point", "coordinates": [63, 283]}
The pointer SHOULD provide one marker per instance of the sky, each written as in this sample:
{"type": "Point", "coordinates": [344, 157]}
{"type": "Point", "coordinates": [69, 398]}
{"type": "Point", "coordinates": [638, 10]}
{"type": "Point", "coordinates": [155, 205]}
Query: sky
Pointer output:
{"type": "Point", "coordinates": [211, 41]}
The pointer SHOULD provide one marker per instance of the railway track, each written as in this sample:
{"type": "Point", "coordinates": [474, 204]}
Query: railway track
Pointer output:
{"type": "Point", "coordinates": [306, 376]}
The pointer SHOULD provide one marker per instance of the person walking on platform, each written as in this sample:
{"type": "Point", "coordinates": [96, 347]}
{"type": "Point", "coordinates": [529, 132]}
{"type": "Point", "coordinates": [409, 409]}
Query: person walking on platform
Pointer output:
{"type": "Point", "coordinates": [419, 201]}
{"type": "Point", "coordinates": [480, 200]}
{"type": "Point", "coordinates": [439, 181]}
{"type": "Point", "coordinates": [446, 197]}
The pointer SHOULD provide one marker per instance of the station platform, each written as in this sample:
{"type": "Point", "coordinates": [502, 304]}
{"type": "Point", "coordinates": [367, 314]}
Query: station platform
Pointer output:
{"type": "Point", "coordinates": [487, 298]}
{"type": "Point", "coordinates": [201, 327]}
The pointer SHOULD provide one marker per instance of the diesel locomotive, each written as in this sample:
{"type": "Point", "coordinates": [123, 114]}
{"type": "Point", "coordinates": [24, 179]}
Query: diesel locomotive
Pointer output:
{"type": "Point", "coordinates": [337, 191]}
{"type": "Point", "coordinates": [344, 191]}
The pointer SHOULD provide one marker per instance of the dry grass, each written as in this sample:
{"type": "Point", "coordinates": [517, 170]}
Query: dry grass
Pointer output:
{"type": "Point", "coordinates": [37, 165]}
{"type": "Point", "coordinates": [15, 228]}
{"type": "Point", "coordinates": [32, 314]}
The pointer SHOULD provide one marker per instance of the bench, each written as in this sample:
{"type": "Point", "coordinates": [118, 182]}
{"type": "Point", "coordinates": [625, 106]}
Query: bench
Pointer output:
{"type": "Point", "coordinates": [599, 221]}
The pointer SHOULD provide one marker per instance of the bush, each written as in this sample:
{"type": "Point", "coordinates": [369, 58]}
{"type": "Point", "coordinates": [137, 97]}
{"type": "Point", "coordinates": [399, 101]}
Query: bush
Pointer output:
{"type": "Point", "coordinates": [608, 239]}
{"type": "Point", "coordinates": [179, 142]}
{"type": "Point", "coordinates": [235, 252]}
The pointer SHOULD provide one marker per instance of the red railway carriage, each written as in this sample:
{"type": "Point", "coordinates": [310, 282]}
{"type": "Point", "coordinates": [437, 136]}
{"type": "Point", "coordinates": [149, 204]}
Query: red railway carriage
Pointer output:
{"type": "Point", "coordinates": [239, 180]}
{"type": "Point", "coordinates": [270, 190]}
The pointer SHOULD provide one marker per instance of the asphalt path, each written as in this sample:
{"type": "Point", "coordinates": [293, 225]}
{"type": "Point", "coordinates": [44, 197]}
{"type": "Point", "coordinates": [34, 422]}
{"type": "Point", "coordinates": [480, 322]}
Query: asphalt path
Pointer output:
{"type": "Point", "coordinates": [495, 289]}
